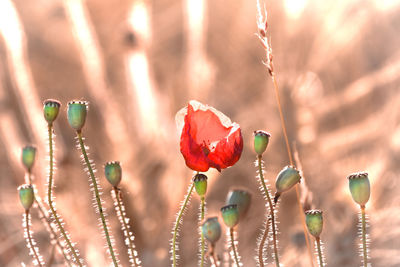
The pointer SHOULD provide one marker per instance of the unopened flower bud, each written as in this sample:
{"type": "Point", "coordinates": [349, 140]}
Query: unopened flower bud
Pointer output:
{"type": "Point", "coordinates": [211, 229]}
{"type": "Point", "coordinates": [51, 108]}
{"type": "Point", "coordinates": [314, 222]}
{"type": "Point", "coordinates": [230, 214]}
{"type": "Point", "coordinates": [261, 140]}
{"type": "Point", "coordinates": [359, 187]}
{"type": "Point", "coordinates": [286, 179]}
{"type": "Point", "coordinates": [241, 198]}
{"type": "Point", "coordinates": [26, 195]}
{"type": "Point", "coordinates": [113, 172]}
{"type": "Point", "coordinates": [28, 157]}
{"type": "Point", "coordinates": [77, 114]}
{"type": "Point", "coordinates": [200, 184]}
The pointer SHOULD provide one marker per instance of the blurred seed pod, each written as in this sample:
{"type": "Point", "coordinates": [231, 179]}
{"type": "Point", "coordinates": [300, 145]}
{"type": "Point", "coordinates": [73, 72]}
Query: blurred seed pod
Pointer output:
{"type": "Point", "coordinates": [230, 214]}
{"type": "Point", "coordinates": [113, 172]}
{"type": "Point", "coordinates": [211, 229]}
{"type": "Point", "coordinates": [51, 108]}
{"type": "Point", "coordinates": [286, 179]}
{"type": "Point", "coordinates": [26, 195]}
{"type": "Point", "coordinates": [261, 140]}
{"type": "Point", "coordinates": [359, 187]}
{"type": "Point", "coordinates": [200, 184]}
{"type": "Point", "coordinates": [77, 114]}
{"type": "Point", "coordinates": [314, 222]}
{"type": "Point", "coordinates": [28, 157]}
{"type": "Point", "coordinates": [241, 198]}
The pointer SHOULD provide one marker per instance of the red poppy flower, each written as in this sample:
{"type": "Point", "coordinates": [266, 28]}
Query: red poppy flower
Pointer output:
{"type": "Point", "coordinates": [208, 139]}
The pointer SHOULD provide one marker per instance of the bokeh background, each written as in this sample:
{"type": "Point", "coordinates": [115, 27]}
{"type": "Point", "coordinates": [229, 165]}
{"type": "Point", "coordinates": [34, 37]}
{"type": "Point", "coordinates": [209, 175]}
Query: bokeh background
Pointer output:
{"type": "Point", "coordinates": [138, 62]}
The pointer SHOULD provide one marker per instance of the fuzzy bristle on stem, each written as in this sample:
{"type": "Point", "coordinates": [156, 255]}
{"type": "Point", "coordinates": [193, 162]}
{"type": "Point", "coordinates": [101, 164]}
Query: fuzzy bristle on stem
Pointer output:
{"type": "Point", "coordinates": [129, 237]}
{"type": "Point", "coordinates": [178, 221]}
{"type": "Point", "coordinates": [55, 216]}
{"type": "Point", "coordinates": [30, 243]}
{"type": "Point", "coordinates": [233, 248]}
{"type": "Point", "coordinates": [319, 249]}
{"type": "Point", "coordinates": [202, 241]}
{"type": "Point", "coordinates": [96, 191]}
{"type": "Point", "coordinates": [363, 228]}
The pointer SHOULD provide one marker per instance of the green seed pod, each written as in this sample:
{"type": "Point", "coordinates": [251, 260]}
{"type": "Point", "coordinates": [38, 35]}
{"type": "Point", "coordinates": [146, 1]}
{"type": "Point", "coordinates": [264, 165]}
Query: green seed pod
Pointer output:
{"type": "Point", "coordinates": [26, 195]}
{"type": "Point", "coordinates": [51, 108]}
{"type": "Point", "coordinates": [113, 172]}
{"type": "Point", "coordinates": [359, 187]}
{"type": "Point", "coordinates": [241, 198]}
{"type": "Point", "coordinates": [211, 229]}
{"type": "Point", "coordinates": [230, 214]}
{"type": "Point", "coordinates": [77, 114]}
{"type": "Point", "coordinates": [314, 222]}
{"type": "Point", "coordinates": [28, 157]}
{"type": "Point", "coordinates": [261, 140]}
{"type": "Point", "coordinates": [200, 184]}
{"type": "Point", "coordinates": [287, 178]}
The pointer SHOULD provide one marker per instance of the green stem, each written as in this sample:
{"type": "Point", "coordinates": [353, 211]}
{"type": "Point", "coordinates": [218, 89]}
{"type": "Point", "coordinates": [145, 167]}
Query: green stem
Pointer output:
{"type": "Point", "coordinates": [320, 258]}
{"type": "Point", "coordinates": [201, 232]}
{"type": "Point", "coordinates": [177, 222]}
{"type": "Point", "coordinates": [131, 246]}
{"type": "Point", "coordinates": [28, 232]}
{"type": "Point", "coordinates": [50, 200]}
{"type": "Point", "coordinates": [271, 216]}
{"type": "Point", "coordinates": [364, 236]}
{"type": "Point", "coordinates": [235, 255]}
{"type": "Point", "coordinates": [97, 196]}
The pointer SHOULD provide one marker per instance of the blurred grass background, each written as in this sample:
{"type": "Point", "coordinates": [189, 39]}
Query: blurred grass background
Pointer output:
{"type": "Point", "coordinates": [139, 62]}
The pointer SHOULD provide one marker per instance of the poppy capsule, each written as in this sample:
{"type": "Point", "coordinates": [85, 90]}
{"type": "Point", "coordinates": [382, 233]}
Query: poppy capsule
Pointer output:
{"type": "Point", "coordinates": [261, 140]}
{"type": "Point", "coordinates": [26, 196]}
{"type": "Point", "coordinates": [241, 198]}
{"type": "Point", "coordinates": [77, 114]}
{"type": "Point", "coordinates": [200, 184]}
{"type": "Point", "coordinates": [113, 172]}
{"type": "Point", "coordinates": [287, 178]}
{"type": "Point", "coordinates": [359, 187]}
{"type": "Point", "coordinates": [230, 214]}
{"type": "Point", "coordinates": [51, 108]}
{"type": "Point", "coordinates": [314, 222]}
{"type": "Point", "coordinates": [211, 229]}
{"type": "Point", "coordinates": [28, 157]}
{"type": "Point", "coordinates": [208, 138]}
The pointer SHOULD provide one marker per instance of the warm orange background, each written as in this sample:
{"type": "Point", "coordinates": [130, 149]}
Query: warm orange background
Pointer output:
{"type": "Point", "coordinates": [139, 62]}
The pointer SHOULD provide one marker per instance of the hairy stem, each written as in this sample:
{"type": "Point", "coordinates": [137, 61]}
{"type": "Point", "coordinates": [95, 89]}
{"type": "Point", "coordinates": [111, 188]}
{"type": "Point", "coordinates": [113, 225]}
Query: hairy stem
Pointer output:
{"type": "Point", "coordinates": [202, 246]}
{"type": "Point", "coordinates": [32, 246]}
{"type": "Point", "coordinates": [364, 236]}
{"type": "Point", "coordinates": [127, 233]}
{"type": "Point", "coordinates": [320, 257]}
{"type": "Point", "coordinates": [177, 222]}
{"type": "Point", "coordinates": [271, 216]}
{"type": "Point", "coordinates": [50, 198]}
{"type": "Point", "coordinates": [97, 196]}
{"type": "Point", "coordinates": [233, 247]}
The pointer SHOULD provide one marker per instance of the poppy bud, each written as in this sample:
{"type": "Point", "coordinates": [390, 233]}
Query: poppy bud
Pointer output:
{"type": "Point", "coordinates": [359, 187]}
{"type": "Point", "coordinates": [113, 172]}
{"type": "Point", "coordinates": [28, 156]}
{"type": "Point", "coordinates": [261, 140]}
{"type": "Point", "coordinates": [314, 222]}
{"type": "Point", "coordinates": [77, 114]}
{"type": "Point", "coordinates": [230, 214]}
{"type": "Point", "coordinates": [50, 110]}
{"type": "Point", "coordinates": [200, 184]}
{"type": "Point", "coordinates": [287, 178]}
{"type": "Point", "coordinates": [241, 198]}
{"type": "Point", "coordinates": [26, 195]}
{"type": "Point", "coordinates": [211, 229]}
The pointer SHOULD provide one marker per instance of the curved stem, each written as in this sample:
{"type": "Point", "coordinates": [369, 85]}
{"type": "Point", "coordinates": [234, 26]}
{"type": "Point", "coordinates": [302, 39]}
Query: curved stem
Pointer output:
{"type": "Point", "coordinates": [97, 196]}
{"type": "Point", "coordinates": [271, 216]}
{"type": "Point", "coordinates": [213, 259]}
{"type": "Point", "coordinates": [235, 255]}
{"type": "Point", "coordinates": [131, 246]}
{"type": "Point", "coordinates": [28, 232]}
{"type": "Point", "coordinates": [177, 222]}
{"type": "Point", "coordinates": [202, 208]}
{"type": "Point", "coordinates": [364, 236]}
{"type": "Point", "coordinates": [320, 257]}
{"type": "Point", "coordinates": [50, 198]}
